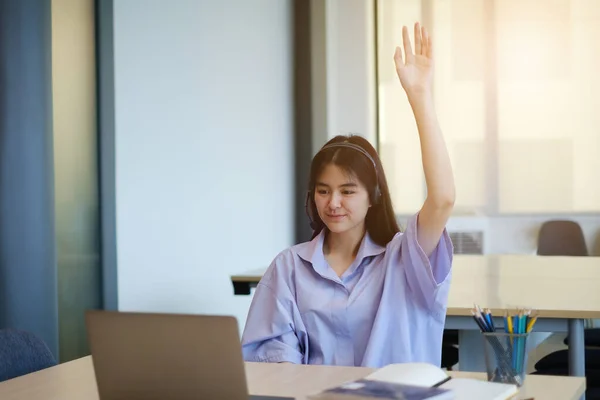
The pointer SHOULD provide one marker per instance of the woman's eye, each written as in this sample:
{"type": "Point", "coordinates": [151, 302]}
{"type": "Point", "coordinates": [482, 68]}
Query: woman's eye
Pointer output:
{"type": "Point", "coordinates": [348, 192]}
{"type": "Point", "coordinates": [322, 191]}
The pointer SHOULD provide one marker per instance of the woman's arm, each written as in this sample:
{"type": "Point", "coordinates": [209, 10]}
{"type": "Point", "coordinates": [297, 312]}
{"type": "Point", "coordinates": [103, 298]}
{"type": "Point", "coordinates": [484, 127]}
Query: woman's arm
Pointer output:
{"type": "Point", "coordinates": [416, 75]}
{"type": "Point", "coordinates": [269, 334]}
{"type": "Point", "coordinates": [274, 331]}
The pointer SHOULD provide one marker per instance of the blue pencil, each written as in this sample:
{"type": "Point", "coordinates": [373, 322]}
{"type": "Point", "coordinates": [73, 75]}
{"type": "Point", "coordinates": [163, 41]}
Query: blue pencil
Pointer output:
{"type": "Point", "coordinates": [479, 321]}
{"type": "Point", "coordinates": [488, 318]}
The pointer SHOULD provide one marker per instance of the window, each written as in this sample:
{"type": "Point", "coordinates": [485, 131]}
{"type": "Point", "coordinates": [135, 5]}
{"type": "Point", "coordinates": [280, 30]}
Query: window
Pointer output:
{"type": "Point", "coordinates": [517, 95]}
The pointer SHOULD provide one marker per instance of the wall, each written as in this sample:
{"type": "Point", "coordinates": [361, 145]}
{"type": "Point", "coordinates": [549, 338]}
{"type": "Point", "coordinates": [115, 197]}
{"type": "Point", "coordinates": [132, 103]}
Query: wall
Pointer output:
{"type": "Point", "coordinates": [203, 149]}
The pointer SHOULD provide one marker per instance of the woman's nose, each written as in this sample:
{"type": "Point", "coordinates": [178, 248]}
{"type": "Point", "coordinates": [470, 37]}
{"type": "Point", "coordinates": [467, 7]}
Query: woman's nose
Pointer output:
{"type": "Point", "coordinates": [335, 200]}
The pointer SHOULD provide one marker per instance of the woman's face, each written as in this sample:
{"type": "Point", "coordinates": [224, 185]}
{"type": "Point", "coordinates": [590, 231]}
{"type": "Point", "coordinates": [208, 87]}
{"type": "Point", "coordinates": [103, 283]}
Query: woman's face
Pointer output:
{"type": "Point", "coordinates": [342, 200]}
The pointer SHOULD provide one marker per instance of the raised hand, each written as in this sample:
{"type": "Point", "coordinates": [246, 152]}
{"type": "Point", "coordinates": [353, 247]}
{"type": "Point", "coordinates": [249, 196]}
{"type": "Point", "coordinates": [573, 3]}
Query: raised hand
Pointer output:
{"type": "Point", "coordinates": [416, 75]}
{"type": "Point", "coordinates": [416, 69]}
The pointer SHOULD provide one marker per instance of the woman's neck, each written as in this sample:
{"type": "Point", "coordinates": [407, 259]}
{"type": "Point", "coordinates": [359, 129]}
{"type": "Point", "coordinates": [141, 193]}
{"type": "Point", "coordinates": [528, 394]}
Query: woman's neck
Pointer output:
{"type": "Point", "coordinates": [345, 244]}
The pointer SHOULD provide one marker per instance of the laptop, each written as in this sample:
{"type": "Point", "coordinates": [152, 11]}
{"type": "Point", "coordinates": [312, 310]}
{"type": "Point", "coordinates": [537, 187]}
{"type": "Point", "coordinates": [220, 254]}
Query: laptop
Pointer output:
{"type": "Point", "coordinates": [167, 356]}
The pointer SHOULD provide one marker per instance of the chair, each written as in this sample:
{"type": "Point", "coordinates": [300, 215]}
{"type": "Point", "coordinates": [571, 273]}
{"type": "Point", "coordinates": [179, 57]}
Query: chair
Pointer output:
{"type": "Point", "coordinates": [464, 242]}
{"type": "Point", "coordinates": [561, 238]}
{"type": "Point", "coordinates": [591, 338]}
{"type": "Point", "coordinates": [556, 364]}
{"type": "Point", "coordinates": [449, 348]}
{"type": "Point", "coordinates": [22, 353]}
{"type": "Point", "coordinates": [565, 238]}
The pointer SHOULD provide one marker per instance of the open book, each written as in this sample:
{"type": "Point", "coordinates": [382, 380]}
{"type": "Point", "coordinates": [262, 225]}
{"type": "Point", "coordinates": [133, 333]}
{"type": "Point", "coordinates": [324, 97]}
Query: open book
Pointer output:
{"type": "Point", "coordinates": [418, 381]}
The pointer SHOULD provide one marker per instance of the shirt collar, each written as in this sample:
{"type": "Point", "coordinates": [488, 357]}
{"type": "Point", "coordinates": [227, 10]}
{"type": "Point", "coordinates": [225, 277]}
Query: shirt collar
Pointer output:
{"type": "Point", "coordinates": [313, 252]}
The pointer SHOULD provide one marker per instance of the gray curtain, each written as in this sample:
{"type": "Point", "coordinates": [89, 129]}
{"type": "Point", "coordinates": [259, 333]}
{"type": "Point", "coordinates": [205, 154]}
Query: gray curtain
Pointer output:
{"type": "Point", "coordinates": [28, 273]}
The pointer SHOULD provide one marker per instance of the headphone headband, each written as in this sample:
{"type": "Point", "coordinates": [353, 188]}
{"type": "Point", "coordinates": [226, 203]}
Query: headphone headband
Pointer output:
{"type": "Point", "coordinates": [352, 146]}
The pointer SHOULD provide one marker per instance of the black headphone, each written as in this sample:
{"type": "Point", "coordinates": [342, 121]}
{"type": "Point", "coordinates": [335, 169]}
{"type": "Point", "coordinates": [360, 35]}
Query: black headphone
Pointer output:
{"type": "Point", "coordinates": [376, 196]}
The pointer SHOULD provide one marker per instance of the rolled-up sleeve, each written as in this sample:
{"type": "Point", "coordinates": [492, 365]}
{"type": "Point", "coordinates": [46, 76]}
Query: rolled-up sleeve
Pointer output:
{"type": "Point", "coordinates": [270, 332]}
{"type": "Point", "coordinates": [427, 277]}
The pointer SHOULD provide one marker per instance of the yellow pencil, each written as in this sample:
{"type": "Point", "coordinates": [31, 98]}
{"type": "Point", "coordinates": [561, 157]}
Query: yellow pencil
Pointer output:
{"type": "Point", "coordinates": [510, 326]}
{"type": "Point", "coordinates": [531, 323]}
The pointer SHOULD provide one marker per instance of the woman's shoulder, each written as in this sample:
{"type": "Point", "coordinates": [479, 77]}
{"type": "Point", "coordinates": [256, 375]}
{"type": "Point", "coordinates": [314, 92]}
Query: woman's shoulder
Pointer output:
{"type": "Point", "coordinates": [395, 242]}
{"type": "Point", "coordinates": [407, 232]}
{"type": "Point", "coordinates": [285, 263]}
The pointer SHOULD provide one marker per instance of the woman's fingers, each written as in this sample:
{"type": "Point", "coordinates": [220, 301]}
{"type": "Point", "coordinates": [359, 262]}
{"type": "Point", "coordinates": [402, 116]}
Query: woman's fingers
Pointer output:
{"type": "Point", "coordinates": [429, 47]}
{"type": "Point", "coordinates": [423, 45]}
{"type": "Point", "coordinates": [424, 41]}
{"type": "Point", "coordinates": [398, 58]}
{"type": "Point", "coordinates": [407, 47]}
{"type": "Point", "coordinates": [418, 43]}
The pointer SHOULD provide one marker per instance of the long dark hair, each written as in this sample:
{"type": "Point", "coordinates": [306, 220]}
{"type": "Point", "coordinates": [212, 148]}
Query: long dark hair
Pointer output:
{"type": "Point", "coordinates": [380, 221]}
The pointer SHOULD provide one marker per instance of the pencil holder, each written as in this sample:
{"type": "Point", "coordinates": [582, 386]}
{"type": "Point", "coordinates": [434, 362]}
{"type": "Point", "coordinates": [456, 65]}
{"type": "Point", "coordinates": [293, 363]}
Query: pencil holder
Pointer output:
{"type": "Point", "coordinates": [506, 357]}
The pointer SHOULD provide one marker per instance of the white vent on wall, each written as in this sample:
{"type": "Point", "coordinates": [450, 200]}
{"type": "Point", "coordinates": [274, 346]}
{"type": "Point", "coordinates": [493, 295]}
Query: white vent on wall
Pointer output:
{"type": "Point", "coordinates": [467, 242]}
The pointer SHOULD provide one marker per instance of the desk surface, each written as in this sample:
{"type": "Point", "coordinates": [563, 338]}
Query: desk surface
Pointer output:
{"type": "Point", "coordinates": [75, 381]}
{"type": "Point", "coordinates": [558, 287]}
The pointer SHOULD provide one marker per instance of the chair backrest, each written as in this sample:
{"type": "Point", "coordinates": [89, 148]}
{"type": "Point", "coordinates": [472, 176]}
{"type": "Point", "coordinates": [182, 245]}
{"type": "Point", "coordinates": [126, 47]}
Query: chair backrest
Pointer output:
{"type": "Point", "coordinates": [561, 238]}
{"type": "Point", "coordinates": [22, 353]}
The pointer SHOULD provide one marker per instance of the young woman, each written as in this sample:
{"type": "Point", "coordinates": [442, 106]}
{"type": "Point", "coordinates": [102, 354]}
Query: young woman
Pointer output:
{"type": "Point", "coordinates": [361, 293]}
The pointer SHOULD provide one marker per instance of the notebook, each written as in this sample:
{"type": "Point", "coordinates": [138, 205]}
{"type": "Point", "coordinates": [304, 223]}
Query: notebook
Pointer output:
{"type": "Point", "coordinates": [364, 389]}
{"type": "Point", "coordinates": [417, 381]}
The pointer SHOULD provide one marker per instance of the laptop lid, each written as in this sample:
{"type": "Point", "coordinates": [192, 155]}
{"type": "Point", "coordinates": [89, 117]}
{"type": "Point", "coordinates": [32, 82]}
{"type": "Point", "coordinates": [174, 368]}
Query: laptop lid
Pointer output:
{"type": "Point", "coordinates": [166, 356]}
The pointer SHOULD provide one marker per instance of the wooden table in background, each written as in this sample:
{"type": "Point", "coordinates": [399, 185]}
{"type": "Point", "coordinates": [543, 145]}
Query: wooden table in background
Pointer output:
{"type": "Point", "coordinates": [564, 290]}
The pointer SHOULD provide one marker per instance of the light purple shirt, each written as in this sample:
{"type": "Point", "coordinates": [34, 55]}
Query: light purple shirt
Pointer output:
{"type": "Point", "coordinates": [388, 307]}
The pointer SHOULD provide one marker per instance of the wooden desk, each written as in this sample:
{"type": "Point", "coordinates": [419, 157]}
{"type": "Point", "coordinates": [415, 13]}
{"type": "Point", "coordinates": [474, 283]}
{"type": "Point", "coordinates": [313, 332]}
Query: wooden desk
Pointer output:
{"type": "Point", "coordinates": [564, 290]}
{"type": "Point", "coordinates": [75, 381]}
